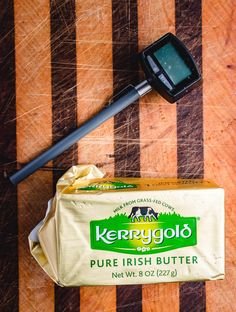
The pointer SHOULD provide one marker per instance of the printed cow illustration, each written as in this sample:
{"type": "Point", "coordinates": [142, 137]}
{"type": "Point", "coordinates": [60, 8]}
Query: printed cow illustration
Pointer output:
{"type": "Point", "coordinates": [145, 212]}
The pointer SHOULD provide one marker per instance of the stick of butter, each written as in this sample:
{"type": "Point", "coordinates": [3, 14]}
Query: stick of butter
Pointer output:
{"type": "Point", "coordinates": [115, 231]}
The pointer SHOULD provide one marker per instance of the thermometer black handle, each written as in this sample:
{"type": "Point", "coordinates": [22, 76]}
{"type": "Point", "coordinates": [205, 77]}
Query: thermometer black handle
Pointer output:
{"type": "Point", "coordinates": [130, 95]}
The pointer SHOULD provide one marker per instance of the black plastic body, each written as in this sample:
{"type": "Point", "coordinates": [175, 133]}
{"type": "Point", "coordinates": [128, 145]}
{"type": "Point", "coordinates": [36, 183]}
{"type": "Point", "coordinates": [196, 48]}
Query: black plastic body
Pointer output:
{"type": "Point", "coordinates": [174, 92]}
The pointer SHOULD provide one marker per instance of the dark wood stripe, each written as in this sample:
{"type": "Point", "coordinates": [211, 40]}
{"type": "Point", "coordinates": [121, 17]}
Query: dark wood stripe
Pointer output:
{"type": "Point", "coordinates": [8, 193]}
{"type": "Point", "coordinates": [64, 108]}
{"type": "Point", "coordinates": [125, 72]}
{"type": "Point", "coordinates": [190, 155]}
{"type": "Point", "coordinates": [126, 123]}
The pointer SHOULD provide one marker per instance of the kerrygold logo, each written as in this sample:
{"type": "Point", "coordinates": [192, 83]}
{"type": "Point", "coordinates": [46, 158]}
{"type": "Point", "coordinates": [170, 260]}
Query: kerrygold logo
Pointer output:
{"type": "Point", "coordinates": [120, 234]}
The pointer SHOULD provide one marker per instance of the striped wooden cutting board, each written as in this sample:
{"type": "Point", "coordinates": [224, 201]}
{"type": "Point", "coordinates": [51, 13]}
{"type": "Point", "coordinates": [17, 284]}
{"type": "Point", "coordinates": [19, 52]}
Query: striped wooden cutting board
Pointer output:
{"type": "Point", "coordinates": [60, 61]}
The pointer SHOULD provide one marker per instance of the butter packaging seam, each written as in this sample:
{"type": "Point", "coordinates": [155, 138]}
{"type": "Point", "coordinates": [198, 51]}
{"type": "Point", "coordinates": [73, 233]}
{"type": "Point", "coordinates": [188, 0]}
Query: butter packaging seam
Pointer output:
{"type": "Point", "coordinates": [115, 231]}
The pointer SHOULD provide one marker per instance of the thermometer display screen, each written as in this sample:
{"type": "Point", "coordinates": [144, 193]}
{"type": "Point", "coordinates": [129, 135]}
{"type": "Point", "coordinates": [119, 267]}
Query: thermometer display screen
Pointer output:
{"type": "Point", "coordinates": [172, 63]}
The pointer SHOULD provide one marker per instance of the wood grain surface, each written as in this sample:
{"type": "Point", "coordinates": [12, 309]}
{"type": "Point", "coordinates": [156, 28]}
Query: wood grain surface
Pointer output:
{"type": "Point", "coordinates": [158, 141]}
{"type": "Point", "coordinates": [219, 38]}
{"type": "Point", "coordinates": [94, 59]}
{"type": "Point", "coordinates": [64, 106]}
{"type": "Point", "coordinates": [190, 159]}
{"type": "Point", "coordinates": [34, 134]}
{"type": "Point", "coordinates": [60, 63]}
{"type": "Point", "coordinates": [8, 194]}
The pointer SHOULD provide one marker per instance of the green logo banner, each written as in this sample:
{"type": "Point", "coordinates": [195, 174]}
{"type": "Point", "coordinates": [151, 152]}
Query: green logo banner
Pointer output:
{"type": "Point", "coordinates": [143, 236]}
{"type": "Point", "coordinates": [107, 185]}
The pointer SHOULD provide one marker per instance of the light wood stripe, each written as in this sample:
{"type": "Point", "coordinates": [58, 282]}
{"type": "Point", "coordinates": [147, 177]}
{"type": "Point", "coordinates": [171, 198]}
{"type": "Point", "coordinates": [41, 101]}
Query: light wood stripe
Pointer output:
{"type": "Point", "coordinates": [219, 40]}
{"type": "Point", "coordinates": [94, 88]}
{"type": "Point", "coordinates": [94, 80]}
{"type": "Point", "coordinates": [33, 98]}
{"type": "Point", "coordinates": [157, 136]}
{"type": "Point", "coordinates": [126, 123]}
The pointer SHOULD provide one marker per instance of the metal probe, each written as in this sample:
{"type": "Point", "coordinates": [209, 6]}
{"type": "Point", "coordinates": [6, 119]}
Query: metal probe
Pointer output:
{"type": "Point", "coordinates": [130, 95]}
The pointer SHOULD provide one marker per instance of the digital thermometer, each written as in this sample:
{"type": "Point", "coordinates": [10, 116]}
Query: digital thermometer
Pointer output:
{"type": "Point", "coordinates": [169, 69]}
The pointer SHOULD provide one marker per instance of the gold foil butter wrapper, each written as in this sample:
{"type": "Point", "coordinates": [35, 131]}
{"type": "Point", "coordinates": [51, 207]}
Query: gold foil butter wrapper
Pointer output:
{"type": "Point", "coordinates": [115, 231]}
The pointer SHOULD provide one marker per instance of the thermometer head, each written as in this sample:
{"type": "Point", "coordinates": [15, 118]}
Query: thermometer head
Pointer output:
{"type": "Point", "coordinates": [169, 67]}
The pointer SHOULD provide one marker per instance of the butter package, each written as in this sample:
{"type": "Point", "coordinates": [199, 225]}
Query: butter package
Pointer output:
{"type": "Point", "coordinates": [114, 231]}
